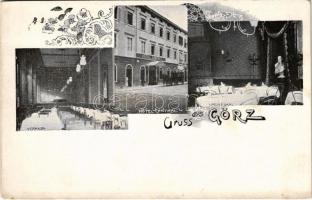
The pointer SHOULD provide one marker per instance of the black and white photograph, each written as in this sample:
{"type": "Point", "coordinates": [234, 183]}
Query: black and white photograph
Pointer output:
{"type": "Point", "coordinates": [245, 62]}
{"type": "Point", "coordinates": [66, 89]}
{"type": "Point", "coordinates": [173, 99]}
{"type": "Point", "coordinates": [151, 57]}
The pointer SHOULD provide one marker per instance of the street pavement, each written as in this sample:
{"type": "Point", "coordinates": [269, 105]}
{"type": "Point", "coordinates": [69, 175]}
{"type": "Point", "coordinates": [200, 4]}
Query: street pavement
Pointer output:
{"type": "Point", "coordinates": [152, 99]}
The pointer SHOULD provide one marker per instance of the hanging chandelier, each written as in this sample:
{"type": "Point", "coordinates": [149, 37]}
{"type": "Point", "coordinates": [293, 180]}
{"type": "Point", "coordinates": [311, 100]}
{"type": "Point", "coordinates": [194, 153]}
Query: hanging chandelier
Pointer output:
{"type": "Point", "coordinates": [81, 64]}
{"type": "Point", "coordinates": [236, 25]}
{"type": "Point", "coordinates": [78, 68]}
{"type": "Point", "coordinates": [83, 60]}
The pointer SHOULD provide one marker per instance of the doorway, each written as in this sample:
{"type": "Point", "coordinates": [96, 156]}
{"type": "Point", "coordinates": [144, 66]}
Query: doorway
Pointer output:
{"type": "Point", "coordinates": [152, 75]}
{"type": "Point", "coordinates": [129, 76]}
{"type": "Point", "coordinates": [143, 75]}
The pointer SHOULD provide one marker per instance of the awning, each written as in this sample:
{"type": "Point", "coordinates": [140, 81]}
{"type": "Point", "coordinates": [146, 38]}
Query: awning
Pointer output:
{"type": "Point", "coordinates": [156, 63]}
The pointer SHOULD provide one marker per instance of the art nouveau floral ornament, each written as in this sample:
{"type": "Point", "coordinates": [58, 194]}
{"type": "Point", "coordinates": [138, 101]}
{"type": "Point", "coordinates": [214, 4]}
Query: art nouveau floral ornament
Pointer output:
{"type": "Point", "coordinates": [81, 29]}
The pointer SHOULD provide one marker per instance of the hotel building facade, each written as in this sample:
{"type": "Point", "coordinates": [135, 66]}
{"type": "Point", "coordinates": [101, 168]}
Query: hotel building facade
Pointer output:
{"type": "Point", "coordinates": [148, 47]}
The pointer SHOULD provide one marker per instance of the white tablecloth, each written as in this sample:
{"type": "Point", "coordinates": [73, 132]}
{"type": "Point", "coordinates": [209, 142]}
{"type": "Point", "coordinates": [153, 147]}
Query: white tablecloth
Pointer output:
{"type": "Point", "coordinates": [261, 91]}
{"type": "Point", "coordinates": [227, 99]}
{"type": "Point", "coordinates": [49, 121]}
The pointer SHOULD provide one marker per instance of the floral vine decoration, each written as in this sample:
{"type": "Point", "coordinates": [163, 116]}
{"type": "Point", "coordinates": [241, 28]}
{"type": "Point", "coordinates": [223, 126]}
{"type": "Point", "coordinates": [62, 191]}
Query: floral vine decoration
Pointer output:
{"type": "Point", "coordinates": [77, 29]}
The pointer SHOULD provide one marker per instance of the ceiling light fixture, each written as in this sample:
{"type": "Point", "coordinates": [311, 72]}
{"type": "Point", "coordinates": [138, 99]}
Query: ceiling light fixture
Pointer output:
{"type": "Point", "coordinates": [83, 60]}
{"type": "Point", "coordinates": [78, 68]}
{"type": "Point", "coordinates": [236, 24]}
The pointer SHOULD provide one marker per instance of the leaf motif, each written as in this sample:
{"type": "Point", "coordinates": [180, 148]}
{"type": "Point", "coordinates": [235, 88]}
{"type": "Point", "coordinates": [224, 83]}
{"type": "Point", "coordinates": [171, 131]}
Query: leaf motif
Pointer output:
{"type": "Point", "coordinates": [35, 20]}
{"type": "Point", "coordinates": [68, 10]}
{"type": "Point", "coordinates": [57, 8]}
{"type": "Point", "coordinates": [79, 36]}
{"type": "Point", "coordinates": [52, 21]}
{"type": "Point", "coordinates": [61, 17]}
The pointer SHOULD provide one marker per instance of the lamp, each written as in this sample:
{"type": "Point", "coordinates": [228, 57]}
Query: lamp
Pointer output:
{"type": "Point", "coordinates": [253, 60]}
{"type": "Point", "coordinates": [254, 23]}
{"type": "Point", "coordinates": [78, 68]}
{"type": "Point", "coordinates": [236, 24]}
{"type": "Point", "coordinates": [224, 54]}
{"type": "Point", "coordinates": [83, 60]}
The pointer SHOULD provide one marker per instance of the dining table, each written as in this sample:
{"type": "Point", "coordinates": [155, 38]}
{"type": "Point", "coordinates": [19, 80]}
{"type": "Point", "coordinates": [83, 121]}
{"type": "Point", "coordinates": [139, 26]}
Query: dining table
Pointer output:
{"type": "Point", "coordinates": [45, 119]}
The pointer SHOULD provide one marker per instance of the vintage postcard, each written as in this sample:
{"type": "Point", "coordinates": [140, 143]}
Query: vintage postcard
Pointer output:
{"type": "Point", "coordinates": [155, 99]}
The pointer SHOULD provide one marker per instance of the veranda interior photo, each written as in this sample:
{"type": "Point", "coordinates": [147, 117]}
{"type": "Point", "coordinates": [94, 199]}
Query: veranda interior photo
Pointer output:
{"type": "Point", "coordinates": [66, 89]}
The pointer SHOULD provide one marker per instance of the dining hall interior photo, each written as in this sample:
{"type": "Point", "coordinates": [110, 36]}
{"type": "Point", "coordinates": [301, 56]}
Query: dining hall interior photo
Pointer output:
{"type": "Point", "coordinates": [245, 63]}
{"type": "Point", "coordinates": [66, 89]}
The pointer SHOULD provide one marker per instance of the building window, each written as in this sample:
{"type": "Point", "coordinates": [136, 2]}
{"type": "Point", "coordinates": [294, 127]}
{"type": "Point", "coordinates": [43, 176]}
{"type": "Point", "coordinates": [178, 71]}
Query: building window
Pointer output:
{"type": "Point", "coordinates": [115, 73]}
{"type": "Point", "coordinates": [180, 57]}
{"type": "Point", "coordinates": [175, 54]}
{"type": "Point", "coordinates": [143, 47]}
{"type": "Point", "coordinates": [143, 22]}
{"type": "Point", "coordinates": [115, 40]}
{"type": "Point", "coordinates": [152, 49]}
{"type": "Point", "coordinates": [185, 57]}
{"type": "Point", "coordinates": [129, 42]}
{"type": "Point", "coordinates": [185, 44]}
{"type": "Point", "coordinates": [161, 30]}
{"type": "Point", "coordinates": [180, 41]}
{"type": "Point", "coordinates": [153, 28]}
{"type": "Point", "coordinates": [168, 35]}
{"type": "Point", "coordinates": [160, 51]}
{"type": "Point", "coordinates": [130, 18]}
{"type": "Point", "coordinates": [174, 38]}
{"type": "Point", "coordinates": [116, 12]}
{"type": "Point", "coordinates": [168, 53]}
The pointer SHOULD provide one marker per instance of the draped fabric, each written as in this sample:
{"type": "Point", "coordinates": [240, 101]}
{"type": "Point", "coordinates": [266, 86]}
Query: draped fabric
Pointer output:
{"type": "Point", "coordinates": [277, 34]}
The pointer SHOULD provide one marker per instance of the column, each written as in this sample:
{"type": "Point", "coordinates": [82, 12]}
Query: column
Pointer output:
{"type": "Point", "coordinates": [29, 84]}
{"type": "Point", "coordinates": [34, 86]}
{"type": "Point", "coordinates": [38, 97]}
{"type": "Point", "coordinates": [23, 81]}
{"type": "Point", "coordinates": [148, 75]}
{"type": "Point", "coordinates": [107, 53]}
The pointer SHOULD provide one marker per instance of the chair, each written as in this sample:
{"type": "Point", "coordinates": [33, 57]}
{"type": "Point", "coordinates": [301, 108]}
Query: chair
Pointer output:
{"type": "Point", "coordinates": [208, 92]}
{"type": "Point", "coordinates": [294, 98]}
{"type": "Point", "coordinates": [273, 91]}
{"type": "Point", "coordinates": [116, 121]}
{"type": "Point", "coordinates": [270, 100]}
